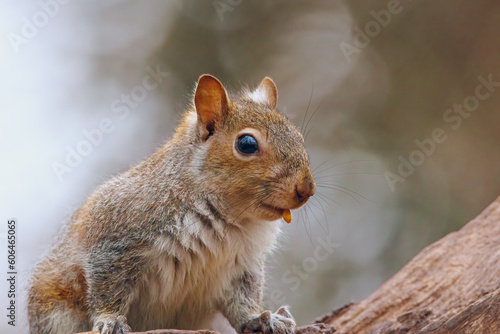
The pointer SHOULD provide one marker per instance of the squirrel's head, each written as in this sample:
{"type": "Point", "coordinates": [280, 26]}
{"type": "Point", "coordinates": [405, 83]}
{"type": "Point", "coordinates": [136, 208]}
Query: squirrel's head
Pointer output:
{"type": "Point", "coordinates": [253, 157]}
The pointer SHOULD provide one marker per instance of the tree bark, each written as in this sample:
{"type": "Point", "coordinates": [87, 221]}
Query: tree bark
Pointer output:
{"type": "Point", "coordinates": [451, 286]}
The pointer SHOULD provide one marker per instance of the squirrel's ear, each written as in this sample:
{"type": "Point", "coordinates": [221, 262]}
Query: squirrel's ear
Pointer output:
{"type": "Point", "coordinates": [211, 103]}
{"type": "Point", "coordinates": [266, 93]}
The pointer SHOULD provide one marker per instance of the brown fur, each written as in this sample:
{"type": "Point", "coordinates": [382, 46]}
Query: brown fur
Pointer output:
{"type": "Point", "coordinates": [185, 233]}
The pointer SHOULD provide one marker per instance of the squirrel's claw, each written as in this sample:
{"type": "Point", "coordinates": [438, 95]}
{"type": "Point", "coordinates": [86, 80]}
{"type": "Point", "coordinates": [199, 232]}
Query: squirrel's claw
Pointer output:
{"type": "Point", "coordinates": [280, 322]}
{"type": "Point", "coordinates": [113, 325]}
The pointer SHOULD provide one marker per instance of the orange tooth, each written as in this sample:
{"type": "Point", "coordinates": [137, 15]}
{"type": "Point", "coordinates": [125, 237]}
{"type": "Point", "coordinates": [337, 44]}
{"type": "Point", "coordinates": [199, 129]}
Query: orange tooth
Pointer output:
{"type": "Point", "coordinates": [287, 216]}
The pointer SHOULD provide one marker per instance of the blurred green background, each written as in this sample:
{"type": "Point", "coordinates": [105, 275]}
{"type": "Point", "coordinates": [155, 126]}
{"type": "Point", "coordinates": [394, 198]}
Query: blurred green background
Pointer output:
{"type": "Point", "coordinates": [371, 79]}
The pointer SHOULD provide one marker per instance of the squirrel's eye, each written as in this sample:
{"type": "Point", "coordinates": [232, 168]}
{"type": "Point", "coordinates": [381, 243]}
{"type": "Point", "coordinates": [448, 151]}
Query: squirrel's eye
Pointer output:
{"type": "Point", "coordinates": [247, 145]}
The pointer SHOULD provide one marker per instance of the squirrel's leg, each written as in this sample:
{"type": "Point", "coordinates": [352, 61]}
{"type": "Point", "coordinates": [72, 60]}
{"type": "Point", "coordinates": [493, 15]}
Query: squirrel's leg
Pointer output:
{"type": "Point", "coordinates": [56, 298]}
{"type": "Point", "coordinates": [112, 275]}
{"type": "Point", "coordinates": [242, 307]}
{"type": "Point", "coordinates": [60, 318]}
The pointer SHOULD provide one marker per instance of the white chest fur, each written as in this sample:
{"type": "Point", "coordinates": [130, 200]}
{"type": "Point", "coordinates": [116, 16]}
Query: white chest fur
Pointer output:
{"type": "Point", "coordinates": [188, 273]}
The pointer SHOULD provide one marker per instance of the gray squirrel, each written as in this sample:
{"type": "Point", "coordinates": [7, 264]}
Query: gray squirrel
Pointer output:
{"type": "Point", "coordinates": [185, 233]}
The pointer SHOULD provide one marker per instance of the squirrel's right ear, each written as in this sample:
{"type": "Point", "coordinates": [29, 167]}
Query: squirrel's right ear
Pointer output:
{"type": "Point", "coordinates": [211, 103]}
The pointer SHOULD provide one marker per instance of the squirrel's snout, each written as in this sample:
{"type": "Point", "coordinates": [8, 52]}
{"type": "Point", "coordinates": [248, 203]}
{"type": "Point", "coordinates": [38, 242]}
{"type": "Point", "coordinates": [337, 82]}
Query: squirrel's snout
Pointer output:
{"type": "Point", "coordinates": [305, 188]}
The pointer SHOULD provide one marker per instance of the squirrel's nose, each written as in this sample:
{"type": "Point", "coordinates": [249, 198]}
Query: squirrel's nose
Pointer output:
{"type": "Point", "coordinates": [305, 188]}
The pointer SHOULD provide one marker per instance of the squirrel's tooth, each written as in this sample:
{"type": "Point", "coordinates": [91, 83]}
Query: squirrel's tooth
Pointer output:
{"type": "Point", "coordinates": [287, 216]}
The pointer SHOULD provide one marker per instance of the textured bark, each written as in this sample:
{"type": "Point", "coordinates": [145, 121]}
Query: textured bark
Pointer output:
{"type": "Point", "coordinates": [177, 331]}
{"type": "Point", "coordinates": [452, 286]}
{"type": "Point", "coordinates": [310, 329]}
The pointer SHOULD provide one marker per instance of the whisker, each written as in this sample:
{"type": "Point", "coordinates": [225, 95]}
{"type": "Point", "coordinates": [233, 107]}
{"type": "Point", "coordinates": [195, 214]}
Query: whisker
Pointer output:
{"type": "Point", "coordinates": [312, 116]}
{"type": "Point", "coordinates": [319, 220]}
{"type": "Point", "coordinates": [308, 131]}
{"type": "Point", "coordinates": [308, 232]}
{"type": "Point", "coordinates": [257, 199]}
{"type": "Point", "coordinates": [350, 190]}
{"type": "Point", "coordinates": [325, 216]}
{"type": "Point", "coordinates": [321, 164]}
{"type": "Point", "coordinates": [341, 174]}
{"type": "Point", "coordinates": [307, 110]}
{"type": "Point", "coordinates": [340, 164]}
{"type": "Point", "coordinates": [323, 196]}
{"type": "Point", "coordinates": [346, 192]}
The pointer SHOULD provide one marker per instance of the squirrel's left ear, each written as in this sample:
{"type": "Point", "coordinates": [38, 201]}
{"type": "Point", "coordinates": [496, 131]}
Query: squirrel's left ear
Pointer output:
{"type": "Point", "coordinates": [211, 103]}
{"type": "Point", "coordinates": [266, 93]}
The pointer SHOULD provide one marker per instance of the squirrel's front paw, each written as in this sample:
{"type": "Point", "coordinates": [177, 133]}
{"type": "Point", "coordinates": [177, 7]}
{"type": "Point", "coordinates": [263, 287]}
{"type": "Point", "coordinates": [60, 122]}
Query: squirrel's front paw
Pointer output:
{"type": "Point", "coordinates": [280, 322]}
{"type": "Point", "coordinates": [113, 325]}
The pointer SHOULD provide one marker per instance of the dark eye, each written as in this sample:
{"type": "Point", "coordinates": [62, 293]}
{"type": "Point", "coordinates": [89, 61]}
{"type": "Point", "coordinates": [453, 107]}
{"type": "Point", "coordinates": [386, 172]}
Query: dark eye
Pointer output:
{"type": "Point", "coordinates": [247, 145]}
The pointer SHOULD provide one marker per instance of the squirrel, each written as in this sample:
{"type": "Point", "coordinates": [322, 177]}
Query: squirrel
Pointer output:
{"type": "Point", "coordinates": [185, 233]}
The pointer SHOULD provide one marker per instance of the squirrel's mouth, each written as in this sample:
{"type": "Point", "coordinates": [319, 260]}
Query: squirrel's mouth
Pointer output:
{"type": "Point", "coordinates": [275, 213]}
{"type": "Point", "coordinates": [278, 211]}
